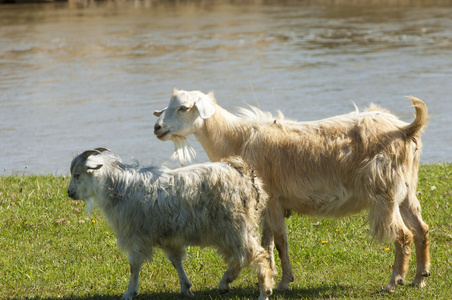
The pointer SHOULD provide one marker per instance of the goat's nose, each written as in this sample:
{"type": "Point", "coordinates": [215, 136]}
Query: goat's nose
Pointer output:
{"type": "Point", "coordinates": [157, 127]}
{"type": "Point", "coordinates": [71, 194]}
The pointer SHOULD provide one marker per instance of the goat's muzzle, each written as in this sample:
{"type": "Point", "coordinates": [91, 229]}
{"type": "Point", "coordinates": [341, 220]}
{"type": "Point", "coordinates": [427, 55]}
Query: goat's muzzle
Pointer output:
{"type": "Point", "coordinates": [72, 194]}
{"type": "Point", "coordinates": [158, 131]}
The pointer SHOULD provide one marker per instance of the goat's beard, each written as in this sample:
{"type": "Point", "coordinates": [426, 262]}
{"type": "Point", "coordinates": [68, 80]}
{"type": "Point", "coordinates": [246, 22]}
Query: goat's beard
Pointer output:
{"type": "Point", "coordinates": [182, 149]}
{"type": "Point", "coordinates": [89, 206]}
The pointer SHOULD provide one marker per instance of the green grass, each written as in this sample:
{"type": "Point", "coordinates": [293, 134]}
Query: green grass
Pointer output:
{"type": "Point", "coordinates": [50, 248]}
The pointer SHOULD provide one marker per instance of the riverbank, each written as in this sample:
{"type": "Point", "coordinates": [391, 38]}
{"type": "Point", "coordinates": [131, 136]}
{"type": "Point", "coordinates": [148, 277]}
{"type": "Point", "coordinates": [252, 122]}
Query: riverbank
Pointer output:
{"type": "Point", "coordinates": [259, 2]}
{"type": "Point", "coordinates": [51, 248]}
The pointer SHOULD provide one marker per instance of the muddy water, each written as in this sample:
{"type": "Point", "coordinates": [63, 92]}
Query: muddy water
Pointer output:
{"type": "Point", "coordinates": [75, 76]}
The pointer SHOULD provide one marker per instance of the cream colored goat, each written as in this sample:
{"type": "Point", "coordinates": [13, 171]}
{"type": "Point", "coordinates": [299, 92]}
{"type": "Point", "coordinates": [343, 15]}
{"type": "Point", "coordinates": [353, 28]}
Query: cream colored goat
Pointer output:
{"type": "Point", "coordinates": [328, 168]}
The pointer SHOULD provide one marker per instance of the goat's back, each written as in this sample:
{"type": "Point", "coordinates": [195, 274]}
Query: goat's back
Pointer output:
{"type": "Point", "coordinates": [325, 165]}
{"type": "Point", "coordinates": [204, 205]}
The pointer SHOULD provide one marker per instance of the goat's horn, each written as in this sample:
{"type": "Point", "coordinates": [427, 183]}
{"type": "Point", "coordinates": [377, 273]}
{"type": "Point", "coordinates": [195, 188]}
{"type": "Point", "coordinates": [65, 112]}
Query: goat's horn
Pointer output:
{"type": "Point", "coordinates": [96, 151]}
{"type": "Point", "coordinates": [102, 149]}
{"type": "Point", "coordinates": [88, 153]}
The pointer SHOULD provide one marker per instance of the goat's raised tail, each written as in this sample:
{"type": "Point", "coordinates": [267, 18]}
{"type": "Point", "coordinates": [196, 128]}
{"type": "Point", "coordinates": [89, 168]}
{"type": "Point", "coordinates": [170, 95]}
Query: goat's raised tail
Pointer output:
{"type": "Point", "coordinates": [421, 117]}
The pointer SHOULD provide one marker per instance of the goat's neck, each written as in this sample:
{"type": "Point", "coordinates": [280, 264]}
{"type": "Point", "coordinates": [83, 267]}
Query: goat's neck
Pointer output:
{"type": "Point", "coordinates": [223, 135]}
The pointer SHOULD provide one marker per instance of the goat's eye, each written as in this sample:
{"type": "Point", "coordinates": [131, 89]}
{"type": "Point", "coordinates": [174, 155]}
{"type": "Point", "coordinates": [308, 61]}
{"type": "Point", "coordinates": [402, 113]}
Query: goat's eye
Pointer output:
{"type": "Point", "coordinates": [184, 108]}
{"type": "Point", "coordinates": [76, 176]}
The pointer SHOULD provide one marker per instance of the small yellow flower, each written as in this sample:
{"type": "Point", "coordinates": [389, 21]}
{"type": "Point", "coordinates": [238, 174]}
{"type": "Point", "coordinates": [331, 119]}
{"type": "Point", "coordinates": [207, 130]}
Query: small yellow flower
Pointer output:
{"type": "Point", "coordinates": [387, 249]}
{"type": "Point", "coordinates": [93, 221]}
{"type": "Point", "coordinates": [324, 242]}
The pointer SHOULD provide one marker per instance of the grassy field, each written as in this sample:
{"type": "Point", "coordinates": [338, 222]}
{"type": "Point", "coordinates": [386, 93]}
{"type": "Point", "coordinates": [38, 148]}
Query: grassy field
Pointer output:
{"type": "Point", "coordinates": [50, 249]}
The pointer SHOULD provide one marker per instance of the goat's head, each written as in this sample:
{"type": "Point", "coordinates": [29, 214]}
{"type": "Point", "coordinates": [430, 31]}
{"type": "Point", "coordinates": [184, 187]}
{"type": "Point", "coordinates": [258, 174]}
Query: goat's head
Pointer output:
{"type": "Point", "coordinates": [83, 170]}
{"type": "Point", "coordinates": [184, 115]}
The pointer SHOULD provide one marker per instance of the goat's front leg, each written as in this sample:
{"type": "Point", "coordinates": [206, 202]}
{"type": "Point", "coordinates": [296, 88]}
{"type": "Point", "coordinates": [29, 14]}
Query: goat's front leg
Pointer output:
{"type": "Point", "coordinates": [176, 256]}
{"type": "Point", "coordinates": [132, 291]}
{"type": "Point", "coordinates": [268, 242]}
{"type": "Point", "coordinates": [282, 245]}
{"type": "Point", "coordinates": [275, 216]}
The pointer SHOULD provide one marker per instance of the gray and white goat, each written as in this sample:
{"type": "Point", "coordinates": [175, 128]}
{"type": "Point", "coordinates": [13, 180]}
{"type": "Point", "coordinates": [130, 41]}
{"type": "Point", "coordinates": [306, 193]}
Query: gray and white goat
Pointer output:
{"type": "Point", "coordinates": [212, 204]}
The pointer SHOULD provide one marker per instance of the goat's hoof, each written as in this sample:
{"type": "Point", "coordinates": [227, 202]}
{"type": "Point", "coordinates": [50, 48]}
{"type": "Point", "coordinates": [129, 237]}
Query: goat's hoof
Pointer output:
{"type": "Point", "coordinates": [223, 287]}
{"type": "Point", "coordinates": [283, 285]}
{"type": "Point", "coordinates": [262, 297]}
{"type": "Point", "coordinates": [129, 296]}
{"type": "Point", "coordinates": [400, 282]}
{"type": "Point", "coordinates": [426, 273]}
{"type": "Point", "coordinates": [223, 291]}
{"type": "Point", "coordinates": [418, 281]}
{"type": "Point", "coordinates": [187, 294]}
{"type": "Point", "coordinates": [389, 289]}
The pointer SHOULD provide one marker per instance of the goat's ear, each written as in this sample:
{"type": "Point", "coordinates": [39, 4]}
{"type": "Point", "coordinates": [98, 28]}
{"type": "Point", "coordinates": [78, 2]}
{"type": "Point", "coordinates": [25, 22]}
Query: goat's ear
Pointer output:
{"type": "Point", "coordinates": [157, 113]}
{"type": "Point", "coordinates": [94, 162]}
{"type": "Point", "coordinates": [92, 165]}
{"type": "Point", "coordinates": [205, 107]}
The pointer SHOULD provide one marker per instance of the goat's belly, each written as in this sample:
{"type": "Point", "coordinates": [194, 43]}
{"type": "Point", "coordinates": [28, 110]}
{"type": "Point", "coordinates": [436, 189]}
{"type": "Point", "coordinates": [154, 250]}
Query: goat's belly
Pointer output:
{"type": "Point", "coordinates": [327, 205]}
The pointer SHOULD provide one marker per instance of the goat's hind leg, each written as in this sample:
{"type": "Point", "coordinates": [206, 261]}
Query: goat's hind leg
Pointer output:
{"type": "Point", "coordinates": [260, 264]}
{"type": "Point", "coordinates": [268, 243]}
{"type": "Point", "coordinates": [411, 214]}
{"type": "Point", "coordinates": [229, 276]}
{"type": "Point", "coordinates": [386, 222]}
{"type": "Point", "coordinates": [176, 257]}
{"type": "Point", "coordinates": [402, 245]}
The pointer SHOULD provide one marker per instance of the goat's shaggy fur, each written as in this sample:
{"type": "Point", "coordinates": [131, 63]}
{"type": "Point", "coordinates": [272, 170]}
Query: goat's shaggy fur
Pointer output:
{"type": "Point", "coordinates": [329, 168]}
{"type": "Point", "coordinates": [213, 204]}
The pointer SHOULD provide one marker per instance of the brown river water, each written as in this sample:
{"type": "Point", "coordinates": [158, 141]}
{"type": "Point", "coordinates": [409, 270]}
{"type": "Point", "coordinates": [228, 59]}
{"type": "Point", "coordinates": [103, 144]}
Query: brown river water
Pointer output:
{"type": "Point", "coordinates": [77, 75]}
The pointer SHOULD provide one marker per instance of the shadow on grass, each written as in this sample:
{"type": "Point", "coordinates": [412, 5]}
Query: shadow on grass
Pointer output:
{"type": "Point", "coordinates": [320, 292]}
